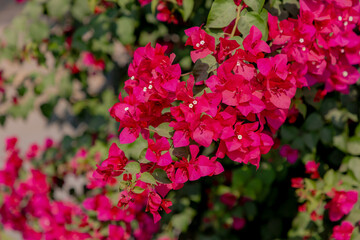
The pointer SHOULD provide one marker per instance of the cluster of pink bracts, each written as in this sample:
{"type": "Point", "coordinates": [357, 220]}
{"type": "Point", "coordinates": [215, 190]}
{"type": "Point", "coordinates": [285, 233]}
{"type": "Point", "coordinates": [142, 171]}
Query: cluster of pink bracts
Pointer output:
{"type": "Point", "coordinates": [243, 102]}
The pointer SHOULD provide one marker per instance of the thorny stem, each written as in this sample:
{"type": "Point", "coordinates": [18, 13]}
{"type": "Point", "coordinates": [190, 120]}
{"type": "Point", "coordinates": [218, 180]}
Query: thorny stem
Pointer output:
{"type": "Point", "coordinates": [238, 10]}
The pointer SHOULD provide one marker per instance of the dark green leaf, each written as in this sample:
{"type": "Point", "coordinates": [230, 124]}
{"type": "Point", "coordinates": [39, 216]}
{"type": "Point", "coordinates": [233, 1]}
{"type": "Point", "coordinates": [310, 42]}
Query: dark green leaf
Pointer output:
{"type": "Point", "coordinates": [313, 122]}
{"type": "Point", "coordinates": [161, 176]}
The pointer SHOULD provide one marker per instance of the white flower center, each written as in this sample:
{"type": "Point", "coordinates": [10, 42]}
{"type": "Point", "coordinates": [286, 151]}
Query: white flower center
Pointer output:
{"type": "Point", "coordinates": [301, 40]}
{"type": "Point", "coordinates": [339, 18]}
{"type": "Point", "coordinates": [345, 73]}
{"type": "Point", "coordinates": [202, 42]}
{"type": "Point", "coordinates": [239, 137]}
{"type": "Point", "coordinates": [351, 18]}
{"type": "Point", "coordinates": [197, 45]}
{"type": "Point", "coordinates": [126, 109]}
{"type": "Point", "coordinates": [150, 87]}
{"type": "Point", "coordinates": [194, 102]}
{"type": "Point", "coordinates": [190, 105]}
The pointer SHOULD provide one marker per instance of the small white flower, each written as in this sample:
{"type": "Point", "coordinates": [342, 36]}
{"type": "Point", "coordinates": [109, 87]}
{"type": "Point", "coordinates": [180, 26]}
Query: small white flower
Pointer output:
{"type": "Point", "coordinates": [194, 102]}
{"type": "Point", "coordinates": [126, 109]}
{"type": "Point", "coordinates": [190, 105]}
{"type": "Point", "coordinates": [197, 45]}
{"type": "Point", "coordinates": [342, 50]}
{"type": "Point", "coordinates": [150, 87]}
{"type": "Point", "coordinates": [281, 31]}
{"type": "Point", "coordinates": [304, 49]}
{"type": "Point", "coordinates": [132, 77]}
{"type": "Point", "coordinates": [144, 89]}
{"type": "Point", "coordinates": [345, 73]}
{"type": "Point", "coordinates": [150, 82]}
{"type": "Point", "coordinates": [238, 64]}
{"type": "Point", "coordinates": [202, 42]}
{"type": "Point", "coordinates": [239, 137]}
{"type": "Point", "coordinates": [313, 63]}
{"type": "Point", "coordinates": [301, 40]}
{"type": "Point", "coordinates": [345, 23]}
{"type": "Point", "coordinates": [351, 18]}
{"type": "Point", "coordinates": [339, 18]}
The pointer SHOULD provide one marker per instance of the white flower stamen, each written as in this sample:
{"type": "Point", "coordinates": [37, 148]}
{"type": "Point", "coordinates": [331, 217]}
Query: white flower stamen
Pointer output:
{"type": "Point", "coordinates": [150, 87]}
{"type": "Point", "coordinates": [197, 45]}
{"type": "Point", "coordinates": [132, 77]}
{"type": "Point", "coordinates": [304, 49]}
{"type": "Point", "coordinates": [126, 109]}
{"type": "Point", "coordinates": [239, 137]}
{"type": "Point", "coordinates": [202, 42]}
{"type": "Point", "coordinates": [340, 18]}
{"type": "Point", "coordinates": [238, 64]}
{"type": "Point", "coordinates": [190, 105]}
{"type": "Point", "coordinates": [345, 73]}
{"type": "Point", "coordinates": [351, 18]}
{"type": "Point", "coordinates": [194, 102]}
{"type": "Point", "coordinates": [145, 89]}
{"type": "Point", "coordinates": [301, 40]}
{"type": "Point", "coordinates": [345, 23]}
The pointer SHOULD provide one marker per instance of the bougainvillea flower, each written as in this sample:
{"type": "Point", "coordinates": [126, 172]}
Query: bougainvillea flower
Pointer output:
{"type": "Point", "coordinates": [312, 168]}
{"type": "Point", "coordinates": [343, 231]}
{"type": "Point", "coordinates": [155, 154]}
{"type": "Point", "coordinates": [203, 43]}
{"type": "Point", "coordinates": [341, 204]}
{"type": "Point", "coordinates": [253, 43]}
{"type": "Point", "coordinates": [289, 153]}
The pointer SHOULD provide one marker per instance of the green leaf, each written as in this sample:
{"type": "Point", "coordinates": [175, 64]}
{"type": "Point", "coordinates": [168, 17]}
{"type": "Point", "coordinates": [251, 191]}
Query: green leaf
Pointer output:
{"type": "Point", "coordinates": [138, 190]}
{"type": "Point", "coordinates": [353, 146]}
{"type": "Point", "coordinates": [58, 8]}
{"type": "Point", "coordinates": [154, 4]}
{"type": "Point", "coordinates": [354, 166]}
{"type": "Point", "coordinates": [249, 19]}
{"type": "Point", "coordinates": [80, 9]}
{"type": "Point", "coordinates": [221, 14]}
{"type": "Point", "coordinates": [164, 130]}
{"type": "Point", "coordinates": [313, 122]}
{"type": "Point", "coordinates": [188, 6]}
{"type": "Point", "coordinates": [125, 30]}
{"type": "Point", "coordinates": [132, 167]}
{"type": "Point", "coordinates": [161, 176]}
{"type": "Point", "coordinates": [255, 5]}
{"type": "Point", "coordinates": [147, 178]}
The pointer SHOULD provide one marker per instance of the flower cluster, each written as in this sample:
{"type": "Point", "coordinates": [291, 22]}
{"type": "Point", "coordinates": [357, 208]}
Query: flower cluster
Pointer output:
{"type": "Point", "coordinates": [340, 204]}
{"type": "Point", "coordinates": [237, 109]}
{"type": "Point", "coordinates": [321, 43]}
{"type": "Point", "coordinates": [33, 205]}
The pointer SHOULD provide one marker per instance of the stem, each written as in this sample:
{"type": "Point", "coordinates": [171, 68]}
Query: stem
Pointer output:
{"type": "Point", "coordinates": [185, 74]}
{"type": "Point", "coordinates": [238, 10]}
{"type": "Point", "coordinates": [151, 130]}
